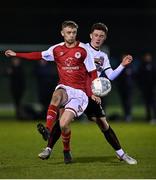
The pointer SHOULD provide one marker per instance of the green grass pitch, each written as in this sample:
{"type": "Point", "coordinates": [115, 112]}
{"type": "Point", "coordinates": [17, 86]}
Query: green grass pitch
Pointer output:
{"type": "Point", "coordinates": [94, 158]}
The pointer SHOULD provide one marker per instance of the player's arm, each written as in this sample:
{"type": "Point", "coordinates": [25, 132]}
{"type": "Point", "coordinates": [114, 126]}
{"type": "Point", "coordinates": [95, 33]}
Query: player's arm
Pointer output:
{"type": "Point", "coordinates": [93, 75]}
{"type": "Point", "coordinates": [92, 71]}
{"type": "Point", "coordinates": [112, 74]}
{"type": "Point", "coordinates": [29, 56]}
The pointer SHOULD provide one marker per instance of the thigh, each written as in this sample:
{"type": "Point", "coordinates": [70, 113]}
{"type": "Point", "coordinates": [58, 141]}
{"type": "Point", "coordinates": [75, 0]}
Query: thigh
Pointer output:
{"type": "Point", "coordinates": [77, 106]}
{"type": "Point", "coordinates": [59, 97]}
{"type": "Point", "coordinates": [66, 118]}
{"type": "Point", "coordinates": [77, 100]}
{"type": "Point", "coordinates": [94, 109]}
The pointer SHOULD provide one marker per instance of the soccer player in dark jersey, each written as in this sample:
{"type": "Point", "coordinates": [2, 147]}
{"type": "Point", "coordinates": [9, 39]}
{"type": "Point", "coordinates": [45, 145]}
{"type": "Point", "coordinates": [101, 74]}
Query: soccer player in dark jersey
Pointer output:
{"type": "Point", "coordinates": [74, 66]}
{"type": "Point", "coordinates": [94, 110]}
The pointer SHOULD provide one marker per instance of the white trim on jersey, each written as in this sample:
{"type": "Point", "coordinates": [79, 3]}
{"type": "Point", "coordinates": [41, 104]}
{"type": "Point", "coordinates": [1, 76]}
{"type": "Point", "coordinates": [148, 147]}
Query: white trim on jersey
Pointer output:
{"type": "Point", "coordinates": [90, 65]}
{"type": "Point", "coordinates": [48, 54]}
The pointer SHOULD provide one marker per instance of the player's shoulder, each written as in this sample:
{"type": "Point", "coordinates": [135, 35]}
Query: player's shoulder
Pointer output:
{"type": "Point", "coordinates": [56, 45]}
{"type": "Point", "coordinates": [83, 45]}
{"type": "Point", "coordinates": [102, 53]}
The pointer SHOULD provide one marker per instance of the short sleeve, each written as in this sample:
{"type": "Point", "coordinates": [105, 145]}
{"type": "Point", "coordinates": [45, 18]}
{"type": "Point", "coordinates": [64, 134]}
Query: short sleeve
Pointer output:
{"type": "Point", "coordinates": [48, 54]}
{"type": "Point", "coordinates": [89, 62]}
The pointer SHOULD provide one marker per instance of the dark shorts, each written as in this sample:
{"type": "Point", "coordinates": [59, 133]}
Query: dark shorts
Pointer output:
{"type": "Point", "coordinates": [94, 110]}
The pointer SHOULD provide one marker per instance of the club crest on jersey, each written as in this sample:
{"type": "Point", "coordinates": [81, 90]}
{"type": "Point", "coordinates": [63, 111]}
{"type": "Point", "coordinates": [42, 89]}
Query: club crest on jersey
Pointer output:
{"type": "Point", "coordinates": [77, 55]}
{"type": "Point", "coordinates": [99, 63]}
{"type": "Point", "coordinates": [99, 60]}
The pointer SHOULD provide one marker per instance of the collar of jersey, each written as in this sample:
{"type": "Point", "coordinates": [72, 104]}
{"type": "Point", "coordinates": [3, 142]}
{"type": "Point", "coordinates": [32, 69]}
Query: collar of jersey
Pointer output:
{"type": "Point", "coordinates": [94, 47]}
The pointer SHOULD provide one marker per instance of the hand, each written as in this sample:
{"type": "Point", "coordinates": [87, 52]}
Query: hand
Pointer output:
{"type": "Point", "coordinates": [96, 99]}
{"type": "Point", "coordinates": [10, 53]}
{"type": "Point", "coordinates": [127, 60]}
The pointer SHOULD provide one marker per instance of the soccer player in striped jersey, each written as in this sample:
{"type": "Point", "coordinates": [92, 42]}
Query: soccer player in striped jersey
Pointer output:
{"type": "Point", "coordinates": [94, 110]}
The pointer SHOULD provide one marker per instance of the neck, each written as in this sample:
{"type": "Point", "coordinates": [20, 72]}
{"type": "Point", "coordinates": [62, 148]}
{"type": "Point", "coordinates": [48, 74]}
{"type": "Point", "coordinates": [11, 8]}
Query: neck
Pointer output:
{"type": "Point", "coordinates": [94, 47]}
{"type": "Point", "coordinates": [71, 45]}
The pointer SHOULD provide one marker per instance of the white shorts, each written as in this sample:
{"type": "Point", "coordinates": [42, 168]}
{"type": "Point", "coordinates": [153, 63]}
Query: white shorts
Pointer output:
{"type": "Point", "coordinates": [77, 100]}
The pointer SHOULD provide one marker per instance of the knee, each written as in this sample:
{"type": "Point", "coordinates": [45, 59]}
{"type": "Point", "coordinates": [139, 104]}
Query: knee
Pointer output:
{"type": "Point", "coordinates": [102, 123]}
{"type": "Point", "coordinates": [56, 99]}
{"type": "Point", "coordinates": [64, 126]}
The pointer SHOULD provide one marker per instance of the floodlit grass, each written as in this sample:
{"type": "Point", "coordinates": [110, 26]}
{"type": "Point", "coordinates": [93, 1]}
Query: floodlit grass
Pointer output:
{"type": "Point", "coordinates": [93, 156]}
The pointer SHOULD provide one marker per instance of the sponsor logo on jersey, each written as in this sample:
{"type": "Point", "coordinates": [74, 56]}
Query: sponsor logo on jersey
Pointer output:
{"type": "Point", "coordinates": [68, 61]}
{"type": "Point", "coordinates": [69, 67]}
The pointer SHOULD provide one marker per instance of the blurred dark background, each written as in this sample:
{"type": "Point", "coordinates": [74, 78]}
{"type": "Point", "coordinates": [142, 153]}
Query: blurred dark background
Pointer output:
{"type": "Point", "coordinates": [130, 29]}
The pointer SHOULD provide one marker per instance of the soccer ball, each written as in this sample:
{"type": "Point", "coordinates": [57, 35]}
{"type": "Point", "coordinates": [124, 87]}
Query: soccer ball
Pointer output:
{"type": "Point", "coordinates": [101, 86]}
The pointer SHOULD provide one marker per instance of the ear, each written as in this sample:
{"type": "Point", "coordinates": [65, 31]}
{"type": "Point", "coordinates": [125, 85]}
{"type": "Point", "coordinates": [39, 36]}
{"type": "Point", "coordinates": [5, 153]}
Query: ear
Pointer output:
{"type": "Point", "coordinates": [62, 33]}
{"type": "Point", "coordinates": [90, 36]}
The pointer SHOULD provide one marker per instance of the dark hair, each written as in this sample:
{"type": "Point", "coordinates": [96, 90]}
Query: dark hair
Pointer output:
{"type": "Point", "coordinates": [99, 26]}
{"type": "Point", "coordinates": [71, 24]}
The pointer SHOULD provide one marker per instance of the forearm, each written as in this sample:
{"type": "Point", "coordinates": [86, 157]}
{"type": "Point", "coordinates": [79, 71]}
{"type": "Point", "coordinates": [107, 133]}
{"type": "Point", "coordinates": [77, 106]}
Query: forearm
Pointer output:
{"type": "Point", "coordinates": [112, 74]}
{"type": "Point", "coordinates": [93, 75]}
{"type": "Point", "coordinates": [30, 56]}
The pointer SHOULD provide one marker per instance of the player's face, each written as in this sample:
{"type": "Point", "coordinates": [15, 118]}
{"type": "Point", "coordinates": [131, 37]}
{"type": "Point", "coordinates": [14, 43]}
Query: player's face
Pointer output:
{"type": "Point", "coordinates": [69, 34]}
{"type": "Point", "coordinates": [97, 38]}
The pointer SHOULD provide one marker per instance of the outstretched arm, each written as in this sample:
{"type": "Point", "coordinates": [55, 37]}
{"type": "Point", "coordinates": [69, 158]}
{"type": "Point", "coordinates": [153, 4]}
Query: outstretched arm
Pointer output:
{"type": "Point", "coordinates": [29, 56]}
{"type": "Point", "coordinates": [112, 74]}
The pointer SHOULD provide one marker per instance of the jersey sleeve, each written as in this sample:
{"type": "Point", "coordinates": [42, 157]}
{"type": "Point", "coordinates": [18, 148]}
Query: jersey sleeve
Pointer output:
{"type": "Point", "coordinates": [89, 62]}
{"type": "Point", "coordinates": [30, 56]}
{"type": "Point", "coordinates": [106, 64]}
{"type": "Point", "coordinates": [48, 54]}
{"type": "Point", "coordinates": [112, 74]}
